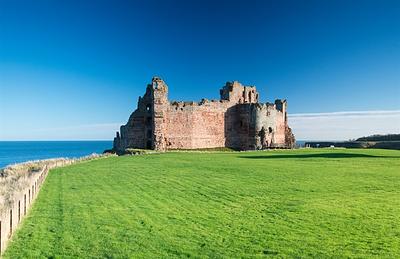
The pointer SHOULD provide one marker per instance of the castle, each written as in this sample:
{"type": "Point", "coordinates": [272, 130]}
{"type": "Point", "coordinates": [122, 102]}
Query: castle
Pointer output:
{"type": "Point", "coordinates": [236, 121]}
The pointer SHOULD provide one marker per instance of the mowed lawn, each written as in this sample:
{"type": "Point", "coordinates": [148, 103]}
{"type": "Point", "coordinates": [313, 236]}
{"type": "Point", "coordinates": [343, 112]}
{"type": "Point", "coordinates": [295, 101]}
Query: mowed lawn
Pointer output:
{"type": "Point", "coordinates": [305, 203]}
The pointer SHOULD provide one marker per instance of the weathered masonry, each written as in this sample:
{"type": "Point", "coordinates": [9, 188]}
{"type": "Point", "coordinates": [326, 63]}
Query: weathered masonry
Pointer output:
{"type": "Point", "coordinates": [237, 121]}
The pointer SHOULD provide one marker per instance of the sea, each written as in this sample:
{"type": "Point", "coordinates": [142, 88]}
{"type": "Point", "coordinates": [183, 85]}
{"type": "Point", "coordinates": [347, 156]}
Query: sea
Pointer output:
{"type": "Point", "coordinates": [12, 152]}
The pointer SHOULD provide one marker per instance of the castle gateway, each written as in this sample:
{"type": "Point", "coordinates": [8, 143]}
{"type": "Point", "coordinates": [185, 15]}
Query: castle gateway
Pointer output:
{"type": "Point", "coordinates": [236, 121]}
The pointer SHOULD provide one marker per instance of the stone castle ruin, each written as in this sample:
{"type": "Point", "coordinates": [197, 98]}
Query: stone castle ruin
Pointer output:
{"type": "Point", "coordinates": [237, 121]}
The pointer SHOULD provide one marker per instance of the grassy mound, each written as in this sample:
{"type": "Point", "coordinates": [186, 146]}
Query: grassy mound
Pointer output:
{"type": "Point", "coordinates": [304, 203]}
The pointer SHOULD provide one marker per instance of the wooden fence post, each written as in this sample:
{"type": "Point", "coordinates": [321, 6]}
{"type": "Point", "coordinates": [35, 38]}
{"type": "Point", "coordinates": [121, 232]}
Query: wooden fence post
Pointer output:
{"type": "Point", "coordinates": [24, 204]}
{"type": "Point", "coordinates": [19, 211]}
{"type": "Point", "coordinates": [16, 212]}
{"type": "Point", "coordinates": [10, 233]}
{"type": "Point", "coordinates": [1, 240]}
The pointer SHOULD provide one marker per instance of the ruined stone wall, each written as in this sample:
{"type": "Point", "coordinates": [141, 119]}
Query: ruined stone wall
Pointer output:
{"type": "Point", "coordinates": [133, 133]}
{"type": "Point", "coordinates": [240, 124]}
{"type": "Point", "coordinates": [270, 126]}
{"type": "Point", "coordinates": [237, 120]}
{"type": "Point", "coordinates": [237, 93]}
{"type": "Point", "coordinates": [196, 125]}
{"type": "Point", "coordinates": [179, 129]}
{"type": "Point", "coordinates": [160, 114]}
{"type": "Point", "coordinates": [138, 131]}
{"type": "Point", "coordinates": [256, 126]}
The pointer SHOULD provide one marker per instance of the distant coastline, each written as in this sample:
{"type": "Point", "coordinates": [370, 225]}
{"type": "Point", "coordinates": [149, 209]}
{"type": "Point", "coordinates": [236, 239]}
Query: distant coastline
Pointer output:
{"type": "Point", "coordinates": [12, 152]}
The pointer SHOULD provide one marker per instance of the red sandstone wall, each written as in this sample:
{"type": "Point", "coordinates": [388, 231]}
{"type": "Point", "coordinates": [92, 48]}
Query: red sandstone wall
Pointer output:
{"type": "Point", "coordinates": [279, 136]}
{"type": "Point", "coordinates": [269, 117]}
{"type": "Point", "coordinates": [236, 121]}
{"type": "Point", "coordinates": [237, 93]}
{"type": "Point", "coordinates": [133, 134]}
{"type": "Point", "coordinates": [179, 130]}
{"type": "Point", "coordinates": [196, 126]}
{"type": "Point", "coordinates": [209, 126]}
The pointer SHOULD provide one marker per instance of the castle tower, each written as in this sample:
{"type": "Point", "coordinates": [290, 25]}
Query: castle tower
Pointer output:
{"type": "Point", "coordinates": [237, 93]}
{"type": "Point", "coordinates": [160, 106]}
{"type": "Point", "coordinates": [290, 140]}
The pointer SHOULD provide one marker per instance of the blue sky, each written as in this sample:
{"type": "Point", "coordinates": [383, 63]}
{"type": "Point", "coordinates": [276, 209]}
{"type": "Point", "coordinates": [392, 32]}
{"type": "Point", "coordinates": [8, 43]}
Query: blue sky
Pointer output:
{"type": "Point", "coordinates": [74, 69]}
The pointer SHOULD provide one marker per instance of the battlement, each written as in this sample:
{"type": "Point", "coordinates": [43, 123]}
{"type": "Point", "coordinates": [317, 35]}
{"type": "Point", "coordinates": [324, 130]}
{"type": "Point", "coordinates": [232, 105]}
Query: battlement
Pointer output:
{"type": "Point", "coordinates": [188, 105]}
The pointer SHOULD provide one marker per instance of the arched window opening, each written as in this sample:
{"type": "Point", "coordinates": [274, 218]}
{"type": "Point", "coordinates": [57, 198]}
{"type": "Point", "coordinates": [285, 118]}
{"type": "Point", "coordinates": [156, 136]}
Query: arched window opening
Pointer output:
{"type": "Point", "coordinates": [249, 96]}
{"type": "Point", "coordinates": [269, 129]}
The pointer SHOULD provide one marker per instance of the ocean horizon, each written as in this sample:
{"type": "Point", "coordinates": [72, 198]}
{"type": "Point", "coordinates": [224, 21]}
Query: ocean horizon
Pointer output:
{"type": "Point", "coordinates": [12, 152]}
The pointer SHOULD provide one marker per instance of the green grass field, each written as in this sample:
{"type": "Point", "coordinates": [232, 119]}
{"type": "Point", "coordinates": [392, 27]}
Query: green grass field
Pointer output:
{"type": "Point", "coordinates": [305, 203]}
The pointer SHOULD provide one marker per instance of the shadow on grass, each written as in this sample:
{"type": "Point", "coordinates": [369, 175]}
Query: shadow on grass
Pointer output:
{"type": "Point", "coordinates": [319, 155]}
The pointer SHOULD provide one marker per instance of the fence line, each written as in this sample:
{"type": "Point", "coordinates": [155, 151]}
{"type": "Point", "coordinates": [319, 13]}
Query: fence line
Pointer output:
{"type": "Point", "coordinates": [10, 219]}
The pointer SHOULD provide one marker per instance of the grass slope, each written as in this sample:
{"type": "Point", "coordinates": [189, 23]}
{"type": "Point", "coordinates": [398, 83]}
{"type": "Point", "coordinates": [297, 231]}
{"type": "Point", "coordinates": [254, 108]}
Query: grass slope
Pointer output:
{"type": "Point", "coordinates": [307, 203]}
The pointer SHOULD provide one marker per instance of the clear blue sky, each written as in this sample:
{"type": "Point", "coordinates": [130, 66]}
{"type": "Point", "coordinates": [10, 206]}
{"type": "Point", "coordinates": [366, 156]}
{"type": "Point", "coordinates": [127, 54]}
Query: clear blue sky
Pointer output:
{"type": "Point", "coordinates": [69, 68]}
